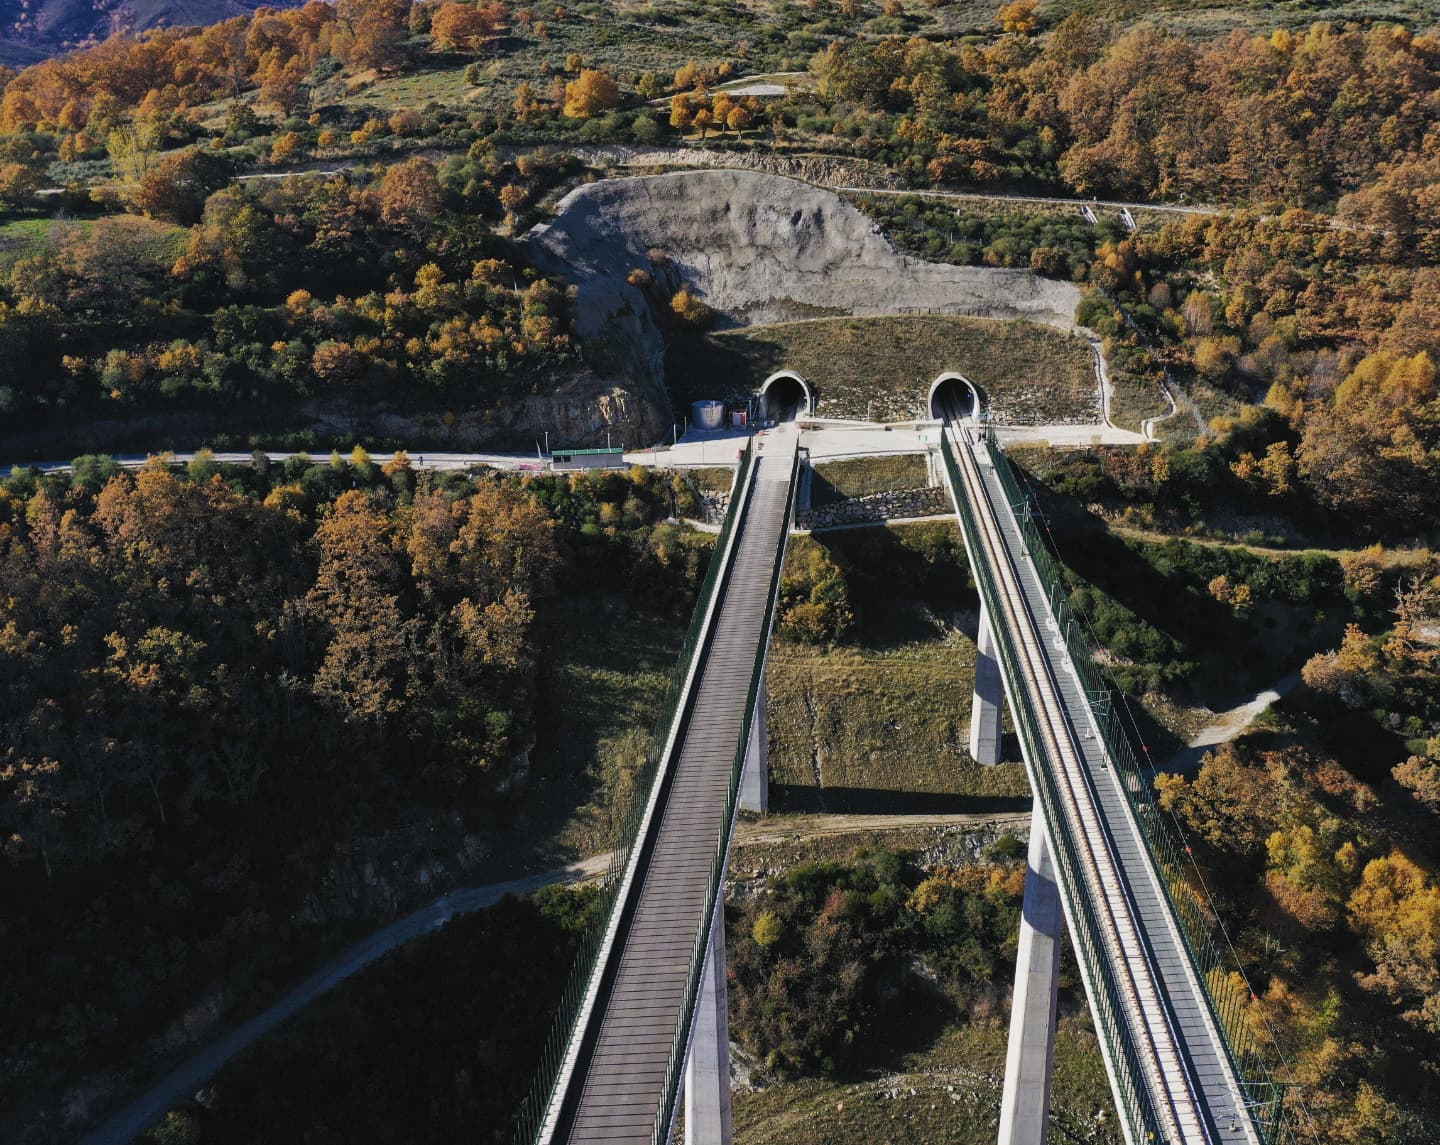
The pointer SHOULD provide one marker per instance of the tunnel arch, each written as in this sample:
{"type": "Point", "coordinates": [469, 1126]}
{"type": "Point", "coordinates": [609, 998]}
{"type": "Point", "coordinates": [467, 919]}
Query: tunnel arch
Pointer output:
{"type": "Point", "coordinates": [949, 387]}
{"type": "Point", "coordinates": [785, 395]}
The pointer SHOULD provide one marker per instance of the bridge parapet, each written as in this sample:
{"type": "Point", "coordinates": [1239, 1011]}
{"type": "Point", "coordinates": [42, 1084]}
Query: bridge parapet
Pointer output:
{"type": "Point", "coordinates": [1229, 1001]}
{"type": "Point", "coordinates": [1106, 982]}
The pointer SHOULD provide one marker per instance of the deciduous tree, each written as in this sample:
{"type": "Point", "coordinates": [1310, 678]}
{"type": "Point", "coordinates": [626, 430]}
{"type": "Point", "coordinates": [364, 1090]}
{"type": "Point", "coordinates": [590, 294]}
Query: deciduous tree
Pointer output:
{"type": "Point", "coordinates": [590, 93]}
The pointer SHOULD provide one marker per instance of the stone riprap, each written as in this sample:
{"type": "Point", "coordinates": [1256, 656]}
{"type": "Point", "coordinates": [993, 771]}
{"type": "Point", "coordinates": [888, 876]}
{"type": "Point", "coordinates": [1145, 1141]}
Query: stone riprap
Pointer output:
{"type": "Point", "coordinates": [713, 506]}
{"type": "Point", "coordinates": [876, 507]}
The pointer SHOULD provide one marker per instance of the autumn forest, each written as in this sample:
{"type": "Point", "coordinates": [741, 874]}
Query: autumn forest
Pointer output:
{"type": "Point", "coordinates": [243, 707]}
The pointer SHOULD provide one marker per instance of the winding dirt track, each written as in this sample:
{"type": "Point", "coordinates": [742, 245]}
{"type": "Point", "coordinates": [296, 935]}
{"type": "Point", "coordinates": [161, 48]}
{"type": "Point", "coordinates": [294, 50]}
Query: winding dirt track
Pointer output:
{"type": "Point", "coordinates": [200, 1067]}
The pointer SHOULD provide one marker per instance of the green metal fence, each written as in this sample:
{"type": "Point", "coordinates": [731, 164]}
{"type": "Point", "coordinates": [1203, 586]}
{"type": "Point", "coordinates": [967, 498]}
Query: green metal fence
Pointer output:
{"type": "Point", "coordinates": [531, 1117]}
{"type": "Point", "coordinates": [1228, 999]}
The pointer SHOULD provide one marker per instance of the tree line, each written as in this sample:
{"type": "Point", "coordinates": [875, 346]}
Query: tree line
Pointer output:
{"type": "Point", "coordinates": [218, 679]}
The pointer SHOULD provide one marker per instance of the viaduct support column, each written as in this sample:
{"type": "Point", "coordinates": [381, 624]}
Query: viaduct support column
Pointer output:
{"type": "Point", "coordinates": [1030, 1058]}
{"type": "Point", "coordinates": [989, 697]}
{"type": "Point", "coordinates": [707, 1071]}
{"type": "Point", "coordinates": [755, 779]}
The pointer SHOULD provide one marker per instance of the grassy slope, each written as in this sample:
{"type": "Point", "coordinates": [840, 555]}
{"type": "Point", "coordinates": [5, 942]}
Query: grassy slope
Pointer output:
{"type": "Point", "coordinates": [882, 722]}
{"type": "Point", "coordinates": [863, 728]}
{"type": "Point", "coordinates": [1133, 400]}
{"type": "Point", "coordinates": [862, 476]}
{"type": "Point", "coordinates": [883, 367]}
{"type": "Point", "coordinates": [604, 674]}
{"type": "Point", "coordinates": [948, 1092]}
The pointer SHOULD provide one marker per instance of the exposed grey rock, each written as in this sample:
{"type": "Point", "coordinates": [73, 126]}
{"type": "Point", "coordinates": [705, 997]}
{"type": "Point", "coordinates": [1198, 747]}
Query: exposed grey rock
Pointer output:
{"type": "Point", "coordinates": [758, 248]}
{"type": "Point", "coordinates": [876, 507]}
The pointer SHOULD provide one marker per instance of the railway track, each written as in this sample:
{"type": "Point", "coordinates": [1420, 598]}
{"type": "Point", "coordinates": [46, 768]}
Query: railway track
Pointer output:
{"type": "Point", "coordinates": [1182, 1103]}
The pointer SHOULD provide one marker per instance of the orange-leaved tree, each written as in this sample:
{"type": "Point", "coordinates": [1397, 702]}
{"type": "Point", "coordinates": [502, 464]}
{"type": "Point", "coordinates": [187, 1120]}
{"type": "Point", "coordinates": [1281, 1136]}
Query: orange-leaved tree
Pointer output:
{"type": "Point", "coordinates": [590, 93]}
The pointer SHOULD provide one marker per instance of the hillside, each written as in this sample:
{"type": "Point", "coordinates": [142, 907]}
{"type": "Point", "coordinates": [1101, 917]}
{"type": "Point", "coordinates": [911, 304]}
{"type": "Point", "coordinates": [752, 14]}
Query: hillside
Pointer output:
{"type": "Point", "coordinates": [253, 713]}
{"type": "Point", "coordinates": [35, 30]}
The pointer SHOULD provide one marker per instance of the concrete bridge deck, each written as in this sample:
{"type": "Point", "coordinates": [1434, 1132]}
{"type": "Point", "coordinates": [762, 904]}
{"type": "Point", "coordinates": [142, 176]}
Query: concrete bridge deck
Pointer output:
{"type": "Point", "coordinates": [1185, 1069]}
{"type": "Point", "coordinates": [615, 1091]}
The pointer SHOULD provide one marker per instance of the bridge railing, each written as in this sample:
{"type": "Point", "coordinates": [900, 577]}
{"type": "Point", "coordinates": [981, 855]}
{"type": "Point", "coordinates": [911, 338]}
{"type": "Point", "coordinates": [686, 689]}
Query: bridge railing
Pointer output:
{"type": "Point", "coordinates": [1136, 1107]}
{"type": "Point", "coordinates": [1229, 1000]}
{"type": "Point", "coordinates": [530, 1119]}
{"type": "Point", "coordinates": [665, 1115]}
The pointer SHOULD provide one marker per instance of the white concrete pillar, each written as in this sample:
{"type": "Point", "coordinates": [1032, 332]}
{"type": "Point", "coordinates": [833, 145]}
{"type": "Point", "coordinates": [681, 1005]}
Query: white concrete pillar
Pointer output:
{"type": "Point", "coordinates": [707, 1071]}
{"type": "Point", "coordinates": [985, 711]}
{"type": "Point", "coordinates": [755, 779]}
{"type": "Point", "coordinates": [1030, 1057]}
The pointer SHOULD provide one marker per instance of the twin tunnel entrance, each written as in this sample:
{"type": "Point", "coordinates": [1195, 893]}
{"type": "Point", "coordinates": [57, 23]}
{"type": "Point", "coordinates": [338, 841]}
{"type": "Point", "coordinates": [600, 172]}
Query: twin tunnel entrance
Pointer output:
{"type": "Point", "coordinates": [785, 396]}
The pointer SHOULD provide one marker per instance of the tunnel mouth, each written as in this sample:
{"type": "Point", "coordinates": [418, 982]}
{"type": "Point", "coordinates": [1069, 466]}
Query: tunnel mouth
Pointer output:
{"type": "Point", "coordinates": [784, 397]}
{"type": "Point", "coordinates": [953, 397]}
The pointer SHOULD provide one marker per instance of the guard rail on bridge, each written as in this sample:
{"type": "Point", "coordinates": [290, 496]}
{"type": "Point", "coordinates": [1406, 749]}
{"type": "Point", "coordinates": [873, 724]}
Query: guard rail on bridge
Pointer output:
{"type": "Point", "coordinates": [1183, 1063]}
{"type": "Point", "coordinates": [611, 1068]}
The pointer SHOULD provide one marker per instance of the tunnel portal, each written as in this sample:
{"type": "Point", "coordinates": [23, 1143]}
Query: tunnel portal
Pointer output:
{"type": "Point", "coordinates": [785, 396]}
{"type": "Point", "coordinates": [954, 397]}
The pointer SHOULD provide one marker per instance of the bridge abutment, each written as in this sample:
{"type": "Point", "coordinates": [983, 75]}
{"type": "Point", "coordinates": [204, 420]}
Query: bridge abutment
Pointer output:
{"type": "Point", "coordinates": [755, 780]}
{"type": "Point", "coordinates": [985, 711]}
{"type": "Point", "coordinates": [1030, 1056]}
{"type": "Point", "coordinates": [707, 1071]}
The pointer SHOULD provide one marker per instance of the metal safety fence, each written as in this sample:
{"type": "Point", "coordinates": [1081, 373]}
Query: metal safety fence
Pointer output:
{"type": "Point", "coordinates": [1228, 998]}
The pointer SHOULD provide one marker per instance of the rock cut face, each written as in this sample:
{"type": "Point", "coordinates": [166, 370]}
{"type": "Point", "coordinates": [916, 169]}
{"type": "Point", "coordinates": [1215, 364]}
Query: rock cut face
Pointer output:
{"type": "Point", "coordinates": [763, 248]}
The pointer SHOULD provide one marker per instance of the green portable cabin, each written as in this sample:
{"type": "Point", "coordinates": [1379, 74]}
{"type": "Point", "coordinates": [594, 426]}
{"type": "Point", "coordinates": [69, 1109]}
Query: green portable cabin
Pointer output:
{"type": "Point", "coordinates": [588, 459]}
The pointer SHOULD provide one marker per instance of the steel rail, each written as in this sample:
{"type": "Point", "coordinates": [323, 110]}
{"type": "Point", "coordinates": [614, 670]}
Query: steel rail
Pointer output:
{"type": "Point", "coordinates": [1148, 1012]}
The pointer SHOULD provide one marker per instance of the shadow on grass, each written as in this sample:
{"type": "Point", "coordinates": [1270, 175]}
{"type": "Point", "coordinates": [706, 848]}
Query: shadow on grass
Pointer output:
{"type": "Point", "coordinates": [874, 801]}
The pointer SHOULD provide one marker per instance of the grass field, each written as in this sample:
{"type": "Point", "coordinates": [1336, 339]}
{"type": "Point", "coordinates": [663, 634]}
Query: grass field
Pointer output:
{"type": "Point", "coordinates": [444, 85]}
{"type": "Point", "coordinates": [1134, 399]}
{"type": "Point", "coordinates": [861, 476]}
{"type": "Point", "coordinates": [947, 1093]}
{"type": "Point", "coordinates": [604, 673]}
{"type": "Point", "coordinates": [159, 244]}
{"type": "Point", "coordinates": [881, 368]}
{"type": "Point", "coordinates": [712, 478]}
{"type": "Point", "coordinates": [878, 729]}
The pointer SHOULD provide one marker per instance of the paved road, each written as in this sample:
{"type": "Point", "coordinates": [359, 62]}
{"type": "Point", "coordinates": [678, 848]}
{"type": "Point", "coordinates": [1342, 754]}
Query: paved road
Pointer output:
{"type": "Point", "coordinates": [823, 439]}
{"type": "Point", "coordinates": [1228, 724]}
{"type": "Point", "coordinates": [1075, 204]}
